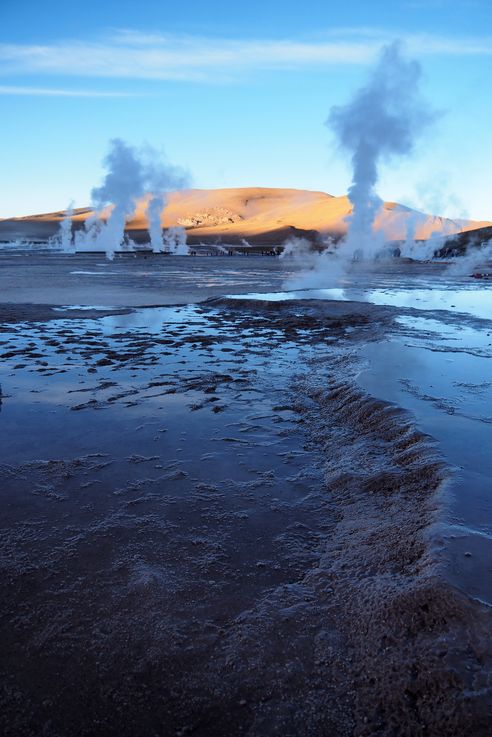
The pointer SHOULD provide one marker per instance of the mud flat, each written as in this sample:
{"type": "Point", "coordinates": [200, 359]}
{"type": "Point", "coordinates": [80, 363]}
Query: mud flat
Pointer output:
{"type": "Point", "coordinates": [217, 520]}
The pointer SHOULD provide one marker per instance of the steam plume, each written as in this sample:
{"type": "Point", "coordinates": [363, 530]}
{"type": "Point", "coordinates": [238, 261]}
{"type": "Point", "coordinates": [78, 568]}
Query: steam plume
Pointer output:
{"type": "Point", "coordinates": [122, 185]}
{"type": "Point", "coordinates": [174, 241]}
{"type": "Point", "coordinates": [130, 174]}
{"type": "Point", "coordinates": [63, 239]}
{"type": "Point", "coordinates": [478, 256]}
{"type": "Point", "coordinates": [162, 177]}
{"type": "Point", "coordinates": [381, 121]}
{"type": "Point", "coordinates": [155, 206]}
{"type": "Point", "coordinates": [66, 230]}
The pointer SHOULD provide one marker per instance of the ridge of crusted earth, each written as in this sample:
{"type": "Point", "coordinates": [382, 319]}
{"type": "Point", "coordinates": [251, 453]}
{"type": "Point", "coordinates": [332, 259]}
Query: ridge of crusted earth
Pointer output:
{"type": "Point", "coordinates": [419, 650]}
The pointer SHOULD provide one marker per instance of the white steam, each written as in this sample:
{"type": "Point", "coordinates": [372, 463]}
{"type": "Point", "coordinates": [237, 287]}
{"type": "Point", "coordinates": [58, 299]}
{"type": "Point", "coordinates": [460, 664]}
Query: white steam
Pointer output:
{"type": "Point", "coordinates": [382, 121]}
{"type": "Point", "coordinates": [155, 206]}
{"type": "Point", "coordinates": [66, 240]}
{"type": "Point", "coordinates": [161, 178]}
{"type": "Point", "coordinates": [131, 174]}
{"type": "Point", "coordinates": [63, 240]}
{"type": "Point", "coordinates": [174, 241]}
{"type": "Point", "coordinates": [317, 269]}
{"type": "Point", "coordinates": [478, 257]}
{"type": "Point", "coordinates": [123, 184]}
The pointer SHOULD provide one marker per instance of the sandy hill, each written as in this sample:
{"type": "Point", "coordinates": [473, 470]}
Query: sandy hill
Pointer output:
{"type": "Point", "coordinates": [254, 214]}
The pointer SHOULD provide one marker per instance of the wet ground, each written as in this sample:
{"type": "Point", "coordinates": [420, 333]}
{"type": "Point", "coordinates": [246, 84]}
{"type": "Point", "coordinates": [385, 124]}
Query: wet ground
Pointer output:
{"type": "Point", "coordinates": [437, 364]}
{"type": "Point", "coordinates": [215, 524]}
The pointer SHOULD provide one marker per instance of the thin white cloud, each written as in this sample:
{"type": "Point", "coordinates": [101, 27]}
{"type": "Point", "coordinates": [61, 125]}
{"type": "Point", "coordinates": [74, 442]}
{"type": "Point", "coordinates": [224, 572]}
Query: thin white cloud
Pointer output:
{"type": "Point", "coordinates": [433, 4]}
{"type": "Point", "coordinates": [131, 54]}
{"type": "Point", "coordinates": [49, 92]}
{"type": "Point", "coordinates": [138, 57]}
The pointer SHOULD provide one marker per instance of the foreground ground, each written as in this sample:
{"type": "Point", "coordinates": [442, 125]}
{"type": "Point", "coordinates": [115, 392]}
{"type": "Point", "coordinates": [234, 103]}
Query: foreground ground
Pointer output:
{"type": "Point", "coordinates": [209, 528]}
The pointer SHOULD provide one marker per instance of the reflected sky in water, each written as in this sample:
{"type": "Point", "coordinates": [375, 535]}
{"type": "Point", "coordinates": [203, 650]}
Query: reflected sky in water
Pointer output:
{"type": "Point", "coordinates": [455, 295]}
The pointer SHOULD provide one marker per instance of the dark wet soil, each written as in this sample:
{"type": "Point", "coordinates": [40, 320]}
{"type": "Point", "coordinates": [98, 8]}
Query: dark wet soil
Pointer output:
{"type": "Point", "coordinates": [14, 313]}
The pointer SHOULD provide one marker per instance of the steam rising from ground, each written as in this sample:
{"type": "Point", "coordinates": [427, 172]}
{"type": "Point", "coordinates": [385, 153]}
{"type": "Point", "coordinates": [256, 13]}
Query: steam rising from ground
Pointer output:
{"type": "Point", "coordinates": [383, 120]}
{"type": "Point", "coordinates": [162, 177]}
{"type": "Point", "coordinates": [131, 174]}
{"type": "Point", "coordinates": [475, 258]}
{"type": "Point", "coordinates": [66, 229]}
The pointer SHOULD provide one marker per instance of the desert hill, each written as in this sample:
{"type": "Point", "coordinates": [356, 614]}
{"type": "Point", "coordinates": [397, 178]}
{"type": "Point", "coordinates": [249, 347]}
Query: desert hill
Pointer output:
{"type": "Point", "coordinates": [254, 214]}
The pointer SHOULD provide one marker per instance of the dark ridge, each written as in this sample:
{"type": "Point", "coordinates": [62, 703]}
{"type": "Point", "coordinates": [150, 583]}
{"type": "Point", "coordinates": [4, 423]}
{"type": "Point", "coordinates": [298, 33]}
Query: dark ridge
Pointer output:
{"type": "Point", "coordinates": [457, 245]}
{"type": "Point", "coordinates": [417, 649]}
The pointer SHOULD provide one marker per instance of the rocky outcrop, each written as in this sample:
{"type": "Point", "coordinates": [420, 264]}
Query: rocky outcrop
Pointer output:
{"type": "Point", "coordinates": [207, 218]}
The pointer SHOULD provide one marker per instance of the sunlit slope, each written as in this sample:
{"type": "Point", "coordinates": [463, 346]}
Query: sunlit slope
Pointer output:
{"type": "Point", "coordinates": [256, 214]}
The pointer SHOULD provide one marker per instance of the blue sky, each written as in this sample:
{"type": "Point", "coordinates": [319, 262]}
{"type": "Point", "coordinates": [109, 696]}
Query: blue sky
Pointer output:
{"type": "Point", "coordinates": [237, 93]}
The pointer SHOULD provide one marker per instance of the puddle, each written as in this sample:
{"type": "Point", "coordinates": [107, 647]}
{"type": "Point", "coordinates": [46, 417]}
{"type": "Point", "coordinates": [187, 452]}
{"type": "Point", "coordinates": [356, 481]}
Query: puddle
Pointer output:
{"type": "Point", "coordinates": [475, 300]}
{"type": "Point", "coordinates": [97, 308]}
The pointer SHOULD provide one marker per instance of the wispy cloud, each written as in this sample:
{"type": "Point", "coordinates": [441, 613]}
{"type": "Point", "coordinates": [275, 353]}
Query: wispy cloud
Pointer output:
{"type": "Point", "coordinates": [49, 92]}
{"type": "Point", "coordinates": [130, 54]}
{"type": "Point", "coordinates": [137, 56]}
{"type": "Point", "coordinates": [433, 4]}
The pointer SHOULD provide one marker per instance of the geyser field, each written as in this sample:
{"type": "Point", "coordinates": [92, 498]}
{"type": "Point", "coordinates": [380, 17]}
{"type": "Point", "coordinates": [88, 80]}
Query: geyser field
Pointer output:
{"type": "Point", "coordinates": [245, 454]}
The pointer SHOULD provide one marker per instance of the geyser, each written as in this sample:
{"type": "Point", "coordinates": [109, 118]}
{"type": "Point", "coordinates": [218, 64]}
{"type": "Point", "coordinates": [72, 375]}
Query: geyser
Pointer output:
{"type": "Point", "coordinates": [123, 184]}
{"type": "Point", "coordinates": [382, 121]}
{"type": "Point", "coordinates": [66, 239]}
{"type": "Point", "coordinates": [162, 177]}
{"type": "Point", "coordinates": [131, 174]}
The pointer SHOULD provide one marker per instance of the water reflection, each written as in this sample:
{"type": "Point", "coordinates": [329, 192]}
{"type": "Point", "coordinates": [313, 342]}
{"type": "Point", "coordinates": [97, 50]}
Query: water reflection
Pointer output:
{"type": "Point", "coordinates": [473, 299]}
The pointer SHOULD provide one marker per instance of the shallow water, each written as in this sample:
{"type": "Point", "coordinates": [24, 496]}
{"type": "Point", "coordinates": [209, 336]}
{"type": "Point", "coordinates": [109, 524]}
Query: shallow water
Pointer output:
{"type": "Point", "coordinates": [444, 377]}
{"type": "Point", "coordinates": [438, 365]}
{"type": "Point", "coordinates": [461, 294]}
{"type": "Point", "coordinates": [198, 436]}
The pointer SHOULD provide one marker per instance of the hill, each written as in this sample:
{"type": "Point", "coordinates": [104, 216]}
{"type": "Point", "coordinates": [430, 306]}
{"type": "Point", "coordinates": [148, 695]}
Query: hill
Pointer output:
{"type": "Point", "coordinates": [253, 214]}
